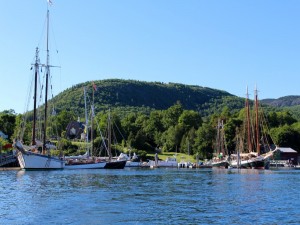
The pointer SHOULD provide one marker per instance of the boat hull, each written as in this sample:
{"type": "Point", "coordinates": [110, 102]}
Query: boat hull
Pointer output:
{"type": "Point", "coordinates": [245, 164]}
{"type": "Point", "coordinates": [221, 164]}
{"type": "Point", "coordinates": [153, 164]}
{"type": "Point", "coordinates": [260, 163]}
{"type": "Point", "coordinates": [255, 163]}
{"type": "Point", "coordinates": [99, 165]}
{"type": "Point", "coordinates": [34, 161]}
{"type": "Point", "coordinates": [115, 165]}
{"type": "Point", "coordinates": [132, 164]}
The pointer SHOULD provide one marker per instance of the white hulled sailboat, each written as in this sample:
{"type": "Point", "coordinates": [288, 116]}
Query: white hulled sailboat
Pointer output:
{"type": "Point", "coordinates": [87, 161]}
{"type": "Point", "coordinates": [28, 156]}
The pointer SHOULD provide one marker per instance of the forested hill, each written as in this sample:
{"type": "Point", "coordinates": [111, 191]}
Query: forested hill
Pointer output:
{"type": "Point", "coordinates": [292, 100]}
{"type": "Point", "coordinates": [145, 96]}
{"type": "Point", "coordinates": [290, 103]}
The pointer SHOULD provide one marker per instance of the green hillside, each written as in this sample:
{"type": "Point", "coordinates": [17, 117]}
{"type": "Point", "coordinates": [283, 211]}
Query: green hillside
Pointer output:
{"type": "Point", "coordinates": [131, 95]}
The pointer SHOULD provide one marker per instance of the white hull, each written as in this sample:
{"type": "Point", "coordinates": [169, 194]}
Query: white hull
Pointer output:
{"type": "Point", "coordinates": [153, 164]}
{"type": "Point", "coordinates": [258, 162]}
{"type": "Point", "coordinates": [99, 165]}
{"type": "Point", "coordinates": [243, 163]}
{"type": "Point", "coordinates": [185, 165]}
{"type": "Point", "coordinates": [34, 161]}
{"type": "Point", "coordinates": [133, 164]}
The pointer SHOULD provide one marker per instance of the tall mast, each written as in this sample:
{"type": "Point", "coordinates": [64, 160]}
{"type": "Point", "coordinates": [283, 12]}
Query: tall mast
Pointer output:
{"type": "Point", "coordinates": [109, 137]}
{"type": "Point", "coordinates": [249, 143]}
{"type": "Point", "coordinates": [218, 148]}
{"type": "Point", "coordinates": [36, 68]}
{"type": "Point", "coordinates": [86, 119]}
{"type": "Point", "coordinates": [257, 123]}
{"type": "Point", "coordinates": [46, 87]}
{"type": "Point", "coordinates": [92, 123]}
{"type": "Point", "coordinates": [222, 138]}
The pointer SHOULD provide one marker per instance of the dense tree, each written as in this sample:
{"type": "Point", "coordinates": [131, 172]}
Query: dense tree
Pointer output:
{"type": "Point", "coordinates": [171, 138]}
{"type": "Point", "coordinates": [188, 142]}
{"type": "Point", "coordinates": [203, 145]}
{"type": "Point", "coordinates": [189, 119]}
{"type": "Point", "coordinates": [230, 133]}
{"type": "Point", "coordinates": [129, 125]}
{"type": "Point", "coordinates": [153, 128]}
{"type": "Point", "coordinates": [60, 122]}
{"type": "Point", "coordinates": [285, 118]}
{"type": "Point", "coordinates": [7, 122]}
{"type": "Point", "coordinates": [171, 115]}
{"type": "Point", "coordinates": [286, 136]}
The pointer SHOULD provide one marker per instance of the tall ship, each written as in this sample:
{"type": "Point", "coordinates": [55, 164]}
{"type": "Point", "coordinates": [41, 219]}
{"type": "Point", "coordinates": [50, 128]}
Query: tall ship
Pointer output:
{"type": "Point", "coordinates": [253, 144]}
{"type": "Point", "coordinates": [221, 158]}
{"type": "Point", "coordinates": [37, 155]}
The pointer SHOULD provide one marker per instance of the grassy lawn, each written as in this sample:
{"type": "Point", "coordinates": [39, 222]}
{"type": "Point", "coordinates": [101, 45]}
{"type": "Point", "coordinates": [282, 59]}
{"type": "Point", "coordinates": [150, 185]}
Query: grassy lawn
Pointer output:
{"type": "Point", "coordinates": [179, 156]}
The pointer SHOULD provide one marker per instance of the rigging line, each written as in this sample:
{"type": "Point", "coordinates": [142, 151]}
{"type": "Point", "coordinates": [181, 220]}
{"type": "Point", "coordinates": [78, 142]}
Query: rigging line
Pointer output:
{"type": "Point", "coordinates": [59, 66]}
{"type": "Point", "coordinates": [42, 32]}
{"type": "Point", "coordinates": [53, 113]}
{"type": "Point", "coordinates": [119, 130]}
{"type": "Point", "coordinates": [267, 126]}
{"type": "Point", "coordinates": [115, 140]}
{"type": "Point", "coordinates": [265, 130]}
{"type": "Point", "coordinates": [101, 135]}
{"type": "Point", "coordinates": [57, 54]}
{"type": "Point", "coordinates": [224, 139]}
{"type": "Point", "coordinates": [29, 92]}
{"type": "Point", "coordinates": [40, 103]}
{"type": "Point", "coordinates": [26, 106]}
{"type": "Point", "coordinates": [50, 84]}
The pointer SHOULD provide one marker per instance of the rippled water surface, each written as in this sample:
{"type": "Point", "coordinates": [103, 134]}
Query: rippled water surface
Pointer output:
{"type": "Point", "coordinates": [150, 196]}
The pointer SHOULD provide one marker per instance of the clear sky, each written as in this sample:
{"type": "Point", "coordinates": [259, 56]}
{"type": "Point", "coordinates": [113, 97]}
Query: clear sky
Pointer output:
{"type": "Point", "coordinates": [225, 45]}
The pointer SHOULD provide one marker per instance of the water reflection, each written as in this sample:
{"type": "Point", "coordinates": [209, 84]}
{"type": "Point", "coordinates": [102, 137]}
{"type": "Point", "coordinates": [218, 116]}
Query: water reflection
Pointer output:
{"type": "Point", "coordinates": [141, 196]}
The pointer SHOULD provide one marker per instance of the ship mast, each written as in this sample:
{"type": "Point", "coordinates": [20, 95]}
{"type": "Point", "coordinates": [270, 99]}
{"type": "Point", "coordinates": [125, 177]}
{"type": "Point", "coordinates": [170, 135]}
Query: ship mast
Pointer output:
{"type": "Point", "coordinates": [36, 68]}
{"type": "Point", "coordinates": [223, 147]}
{"type": "Point", "coordinates": [46, 86]}
{"type": "Point", "coordinates": [92, 122]}
{"type": "Point", "coordinates": [109, 137]}
{"type": "Point", "coordinates": [249, 143]}
{"type": "Point", "coordinates": [86, 120]}
{"type": "Point", "coordinates": [257, 123]}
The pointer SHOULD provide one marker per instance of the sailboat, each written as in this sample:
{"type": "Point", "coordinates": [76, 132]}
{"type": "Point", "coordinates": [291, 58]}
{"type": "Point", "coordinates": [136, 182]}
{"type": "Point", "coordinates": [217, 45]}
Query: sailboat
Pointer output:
{"type": "Point", "coordinates": [106, 144]}
{"type": "Point", "coordinates": [256, 151]}
{"type": "Point", "coordinates": [86, 161]}
{"type": "Point", "coordinates": [221, 158]}
{"type": "Point", "coordinates": [28, 156]}
{"type": "Point", "coordinates": [112, 164]}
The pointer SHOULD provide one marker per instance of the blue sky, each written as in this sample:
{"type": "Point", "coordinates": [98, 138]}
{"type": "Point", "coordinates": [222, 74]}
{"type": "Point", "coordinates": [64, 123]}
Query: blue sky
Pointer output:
{"type": "Point", "coordinates": [225, 45]}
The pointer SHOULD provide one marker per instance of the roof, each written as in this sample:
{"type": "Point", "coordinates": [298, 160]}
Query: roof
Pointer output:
{"type": "Point", "coordinates": [286, 150]}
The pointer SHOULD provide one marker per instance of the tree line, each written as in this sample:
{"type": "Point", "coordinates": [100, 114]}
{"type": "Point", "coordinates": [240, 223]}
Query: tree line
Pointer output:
{"type": "Point", "coordinates": [174, 129]}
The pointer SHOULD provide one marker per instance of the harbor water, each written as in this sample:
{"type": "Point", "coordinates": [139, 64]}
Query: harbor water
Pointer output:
{"type": "Point", "coordinates": [150, 196]}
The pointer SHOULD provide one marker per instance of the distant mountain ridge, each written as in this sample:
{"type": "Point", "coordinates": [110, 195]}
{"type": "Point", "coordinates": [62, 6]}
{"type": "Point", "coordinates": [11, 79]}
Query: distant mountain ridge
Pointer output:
{"type": "Point", "coordinates": [286, 101]}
